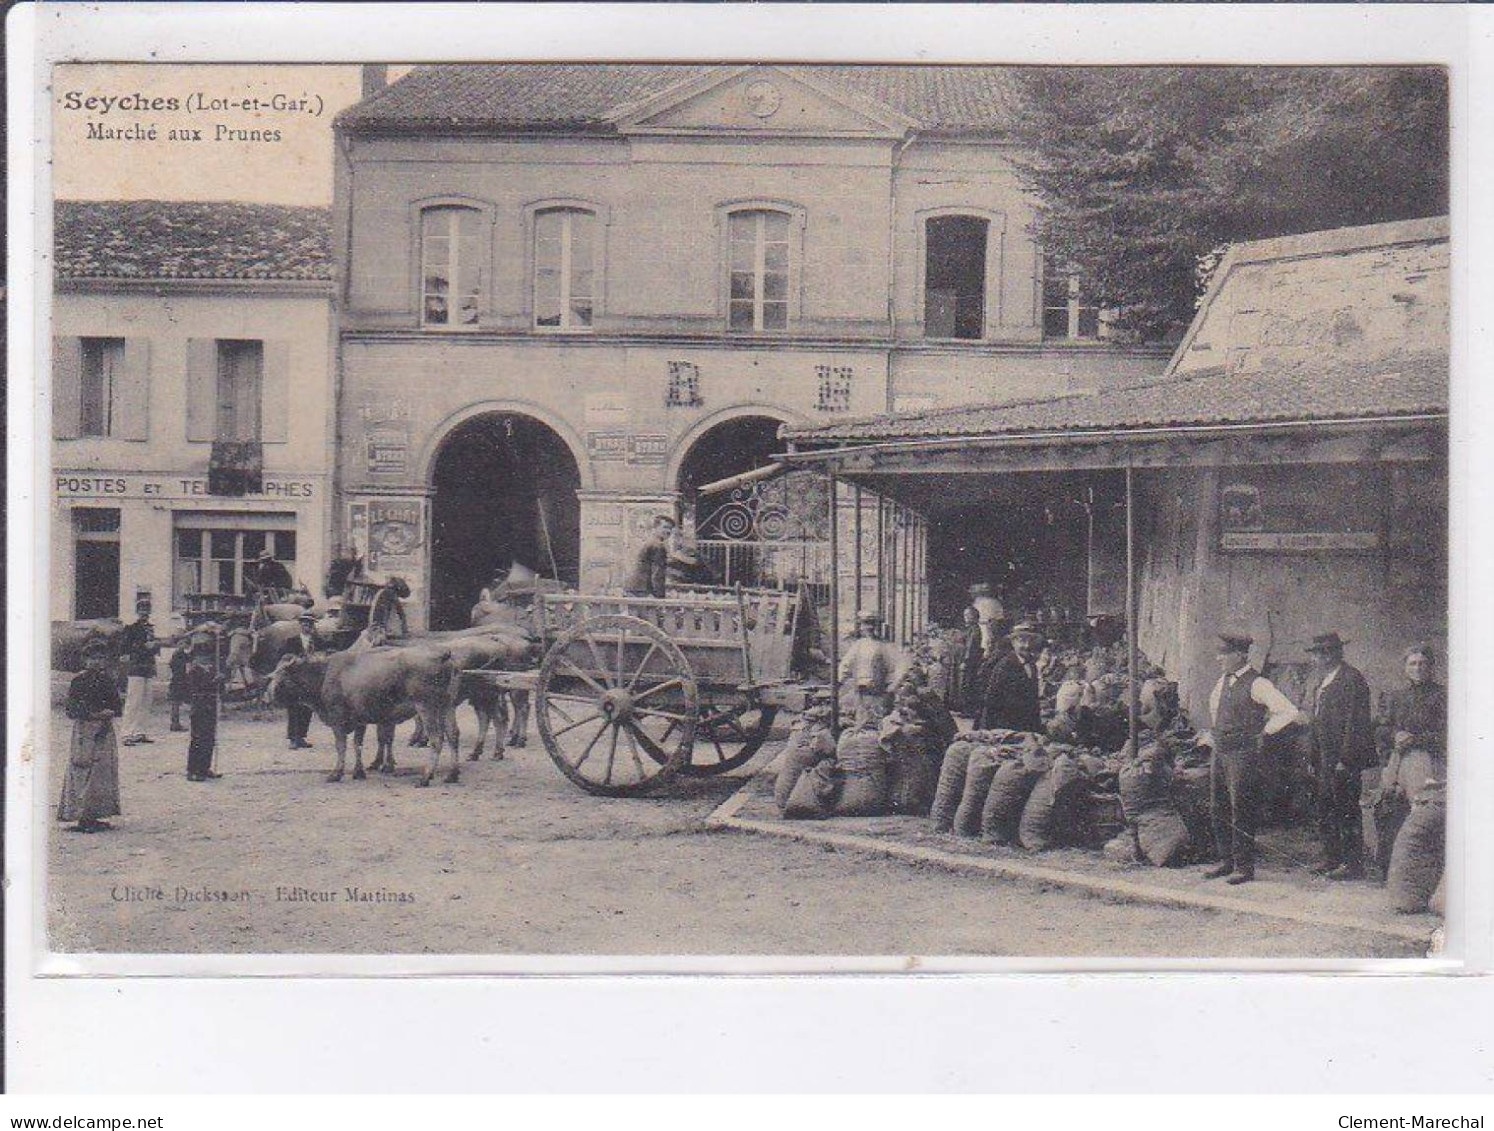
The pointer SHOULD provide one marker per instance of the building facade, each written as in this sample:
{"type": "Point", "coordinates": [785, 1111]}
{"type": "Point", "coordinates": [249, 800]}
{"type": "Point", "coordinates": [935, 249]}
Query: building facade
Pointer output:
{"type": "Point", "coordinates": [192, 400]}
{"type": "Point", "coordinates": [571, 295]}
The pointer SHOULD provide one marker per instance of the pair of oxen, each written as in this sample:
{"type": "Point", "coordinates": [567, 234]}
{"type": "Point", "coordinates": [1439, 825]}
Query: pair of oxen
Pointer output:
{"type": "Point", "coordinates": [382, 681]}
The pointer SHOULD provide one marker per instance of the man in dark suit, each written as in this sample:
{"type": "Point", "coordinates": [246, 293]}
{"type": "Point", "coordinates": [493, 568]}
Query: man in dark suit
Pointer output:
{"type": "Point", "coordinates": [298, 715]}
{"type": "Point", "coordinates": [1343, 744]}
{"type": "Point", "coordinates": [1011, 700]}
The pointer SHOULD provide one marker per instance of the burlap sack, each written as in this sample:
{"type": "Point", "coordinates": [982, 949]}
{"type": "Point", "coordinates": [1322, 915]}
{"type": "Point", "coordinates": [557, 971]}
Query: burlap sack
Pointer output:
{"type": "Point", "coordinates": [1416, 860]}
{"type": "Point", "coordinates": [951, 785]}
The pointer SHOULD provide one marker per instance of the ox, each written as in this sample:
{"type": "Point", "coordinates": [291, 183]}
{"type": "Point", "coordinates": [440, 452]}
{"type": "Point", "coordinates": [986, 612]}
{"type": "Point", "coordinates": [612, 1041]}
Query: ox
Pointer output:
{"type": "Point", "coordinates": [478, 649]}
{"type": "Point", "coordinates": [379, 687]}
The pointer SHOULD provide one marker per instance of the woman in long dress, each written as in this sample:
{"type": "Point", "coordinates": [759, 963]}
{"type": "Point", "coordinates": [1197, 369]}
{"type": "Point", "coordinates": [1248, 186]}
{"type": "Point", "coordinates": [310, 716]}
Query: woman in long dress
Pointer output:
{"type": "Point", "coordinates": [91, 790]}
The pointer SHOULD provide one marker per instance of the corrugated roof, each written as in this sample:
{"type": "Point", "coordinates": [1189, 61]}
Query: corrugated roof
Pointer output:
{"type": "Point", "coordinates": [167, 239]}
{"type": "Point", "coordinates": [582, 96]}
{"type": "Point", "coordinates": [1416, 385]}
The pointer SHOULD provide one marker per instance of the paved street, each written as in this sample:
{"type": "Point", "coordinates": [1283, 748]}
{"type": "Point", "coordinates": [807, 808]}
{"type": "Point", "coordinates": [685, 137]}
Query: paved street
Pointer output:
{"type": "Point", "coordinates": [514, 859]}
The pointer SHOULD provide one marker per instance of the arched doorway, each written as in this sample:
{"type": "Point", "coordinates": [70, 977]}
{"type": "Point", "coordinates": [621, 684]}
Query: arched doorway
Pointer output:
{"type": "Point", "coordinates": [505, 492]}
{"type": "Point", "coordinates": [770, 533]}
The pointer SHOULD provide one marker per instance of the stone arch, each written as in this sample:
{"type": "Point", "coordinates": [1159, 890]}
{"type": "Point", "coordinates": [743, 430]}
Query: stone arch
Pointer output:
{"type": "Point", "coordinates": [557, 424]}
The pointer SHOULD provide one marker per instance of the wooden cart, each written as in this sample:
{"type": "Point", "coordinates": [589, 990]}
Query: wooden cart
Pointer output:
{"type": "Point", "coordinates": [633, 690]}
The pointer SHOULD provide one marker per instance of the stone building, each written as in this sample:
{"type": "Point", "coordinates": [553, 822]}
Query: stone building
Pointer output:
{"type": "Point", "coordinates": [1287, 475]}
{"type": "Point", "coordinates": [192, 395]}
{"type": "Point", "coordinates": [570, 295]}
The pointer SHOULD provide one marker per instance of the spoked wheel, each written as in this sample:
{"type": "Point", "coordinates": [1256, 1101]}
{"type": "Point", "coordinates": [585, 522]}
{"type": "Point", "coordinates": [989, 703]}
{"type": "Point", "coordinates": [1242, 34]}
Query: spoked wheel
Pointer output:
{"type": "Point", "coordinates": [616, 705]}
{"type": "Point", "coordinates": [727, 735]}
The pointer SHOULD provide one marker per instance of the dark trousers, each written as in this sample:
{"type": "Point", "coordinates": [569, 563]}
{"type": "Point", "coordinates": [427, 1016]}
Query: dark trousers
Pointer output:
{"type": "Point", "coordinates": [1339, 817]}
{"type": "Point", "coordinates": [203, 739]}
{"type": "Point", "coordinates": [297, 721]}
{"type": "Point", "coordinates": [1237, 784]}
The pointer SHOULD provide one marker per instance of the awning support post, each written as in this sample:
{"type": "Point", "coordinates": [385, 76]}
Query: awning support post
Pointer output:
{"type": "Point", "coordinates": [856, 491]}
{"type": "Point", "coordinates": [834, 611]}
{"type": "Point", "coordinates": [1134, 705]}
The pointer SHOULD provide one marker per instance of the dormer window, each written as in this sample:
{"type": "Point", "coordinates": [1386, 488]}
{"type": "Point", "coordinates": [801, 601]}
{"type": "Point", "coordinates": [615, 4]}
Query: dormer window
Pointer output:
{"type": "Point", "coordinates": [565, 272]}
{"type": "Point", "coordinates": [451, 266]}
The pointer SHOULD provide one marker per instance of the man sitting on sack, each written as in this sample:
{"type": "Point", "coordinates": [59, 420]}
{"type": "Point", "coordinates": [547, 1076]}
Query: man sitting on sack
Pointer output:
{"type": "Point", "coordinates": [1012, 698]}
{"type": "Point", "coordinates": [1244, 709]}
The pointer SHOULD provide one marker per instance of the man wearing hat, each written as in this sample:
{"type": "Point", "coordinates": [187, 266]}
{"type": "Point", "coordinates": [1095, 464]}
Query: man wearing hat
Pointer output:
{"type": "Point", "coordinates": [137, 644]}
{"type": "Point", "coordinates": [650, 576]}
{"type": "Point", "coordinates": [202, 697]}
{"type": "Point", "coordinates": [872, 667]}
{"type": "Point", "coordinates": [1343, 745]}
{"type": "Point", "coordinates": [269, 574]}
{"type": "Point", "coordinates": [298, 715]}
{"type": "Point", "coordinates": [1244, 708]}
{"type": "Point", "coordinates": [988, 614]}
{"type": "Point", "coordinates": [1013, 691]}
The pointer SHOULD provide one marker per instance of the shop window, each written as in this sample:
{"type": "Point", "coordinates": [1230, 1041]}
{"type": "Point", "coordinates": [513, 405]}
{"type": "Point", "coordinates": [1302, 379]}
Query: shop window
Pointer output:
{"type": "Point", "coordinates": [954, 295]}
{"type": "Point", "coordinates": [450, 266]}
{"type": "Point", "coordinates": [102, 366]}
{"type": "Point", "coordinates": [758, 297]}
{"type": "Point", "coordinates": [564, 268]}
{"type": "Point", "coordinates": [1067, 311]}
{"type": "Point", "coordinates": [240, 390]}
{"type": "Point", "coordinates": [214, 559]}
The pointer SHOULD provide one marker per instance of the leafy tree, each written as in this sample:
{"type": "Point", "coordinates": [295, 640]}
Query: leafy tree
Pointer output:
{"type": "Point", "coordinates": [1142, 173]}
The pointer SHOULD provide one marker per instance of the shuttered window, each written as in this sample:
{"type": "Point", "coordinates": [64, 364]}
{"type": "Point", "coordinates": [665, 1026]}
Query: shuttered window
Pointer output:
{"type": "Point", "coordinates": [103, 362]}
{"type": "Point", "coordinates": [240, 389]}
{"type": "Point", "coordinates": [100, 388]}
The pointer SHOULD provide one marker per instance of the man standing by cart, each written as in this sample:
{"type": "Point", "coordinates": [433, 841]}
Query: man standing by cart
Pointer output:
{"type": "Point", "coordinates": [298, 715]}
{"type": "Point", "coordinates": [650, 575]}
{"type": "Point", "coordinates": [1245, 708]}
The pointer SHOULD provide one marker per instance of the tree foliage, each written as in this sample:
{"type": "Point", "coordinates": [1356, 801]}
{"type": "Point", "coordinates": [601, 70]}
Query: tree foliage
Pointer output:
{"type": "Point", "coordinates": [1142, 173]}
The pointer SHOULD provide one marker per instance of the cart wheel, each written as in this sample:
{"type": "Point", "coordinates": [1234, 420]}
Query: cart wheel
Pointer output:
{"type": "Point", "coordinates": [616, 705]}
{"type": "Point", "coordinates": [727, 735]}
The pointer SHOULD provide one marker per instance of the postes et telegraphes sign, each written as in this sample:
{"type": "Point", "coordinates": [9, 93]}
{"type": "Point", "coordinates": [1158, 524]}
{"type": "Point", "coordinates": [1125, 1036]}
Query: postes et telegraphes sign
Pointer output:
{"type": "Point", "coordinates": [1302, 509]}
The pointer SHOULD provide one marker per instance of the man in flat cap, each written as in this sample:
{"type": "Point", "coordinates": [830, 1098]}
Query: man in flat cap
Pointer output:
{"type": "Point", "coordinates": [1343, 745]}
{"type": "Point", "coordinates": [1012, 699]}
{"type": "Point", "coordinates": [872, 667]}
{"type": "Point", "coordinates": [650, 575]}
{"type": "Point", "coordinates": [1244, 708]}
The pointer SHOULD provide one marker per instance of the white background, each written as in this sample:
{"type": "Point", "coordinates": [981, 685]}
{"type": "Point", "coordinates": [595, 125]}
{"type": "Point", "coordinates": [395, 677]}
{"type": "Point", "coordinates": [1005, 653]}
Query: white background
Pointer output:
{"type": "Point", "coordinates": [1050, 1031]}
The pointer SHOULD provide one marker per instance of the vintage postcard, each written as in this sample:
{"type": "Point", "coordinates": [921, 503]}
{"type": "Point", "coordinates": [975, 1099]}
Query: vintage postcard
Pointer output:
{"type": "Point", "coordinates": [741, 510]}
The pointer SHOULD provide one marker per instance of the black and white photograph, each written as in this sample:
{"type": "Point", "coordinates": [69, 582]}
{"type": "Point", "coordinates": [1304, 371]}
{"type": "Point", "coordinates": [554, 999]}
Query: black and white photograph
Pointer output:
{"type": "Point", "coordinates": [748, 509]}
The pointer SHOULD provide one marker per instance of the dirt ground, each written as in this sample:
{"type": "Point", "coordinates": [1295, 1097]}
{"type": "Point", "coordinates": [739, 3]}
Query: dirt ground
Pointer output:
{"type": "Point", "coordinates": [514, 859]}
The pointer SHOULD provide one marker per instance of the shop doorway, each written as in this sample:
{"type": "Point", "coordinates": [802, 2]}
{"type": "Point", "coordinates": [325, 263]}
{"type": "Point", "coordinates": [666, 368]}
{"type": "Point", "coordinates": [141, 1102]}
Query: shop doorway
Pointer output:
{"type": "Point", "coordinates": [95, 562]}
{"type": "Point", "coordinates": [505, 493]}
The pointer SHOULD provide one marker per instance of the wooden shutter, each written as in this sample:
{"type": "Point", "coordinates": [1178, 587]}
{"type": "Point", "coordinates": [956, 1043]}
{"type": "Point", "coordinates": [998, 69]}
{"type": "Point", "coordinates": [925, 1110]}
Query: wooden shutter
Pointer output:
{"type": "Point", "coordinates": [202, 389]}
{"type": "Point", "coordinates": [274, 424]}
{"type": "Point", "coordinates": [67, 387]}
{"type": "Point", "coordinates": [131, 413]}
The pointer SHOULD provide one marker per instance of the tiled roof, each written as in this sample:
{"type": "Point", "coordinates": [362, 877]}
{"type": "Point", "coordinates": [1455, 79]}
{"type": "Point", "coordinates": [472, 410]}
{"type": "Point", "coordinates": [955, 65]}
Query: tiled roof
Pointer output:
{"type": "Point", "coordinates": [160, 239]}
{"type": "Point", "coordinates": [582, 96]}
{"type": "Point", "coordinates": [1416, 385]}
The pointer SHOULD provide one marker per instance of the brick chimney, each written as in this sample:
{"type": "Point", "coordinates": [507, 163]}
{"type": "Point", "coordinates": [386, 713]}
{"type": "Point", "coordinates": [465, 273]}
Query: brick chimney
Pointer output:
{"type": "Point", "coordinates": [375, 78]}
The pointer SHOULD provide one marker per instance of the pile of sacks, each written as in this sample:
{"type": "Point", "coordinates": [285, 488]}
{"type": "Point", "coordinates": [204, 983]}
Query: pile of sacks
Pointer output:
{"type": "Point", "coordinates": [886, 766]}
{"type": "Point", "coordinates": [1011, 787]}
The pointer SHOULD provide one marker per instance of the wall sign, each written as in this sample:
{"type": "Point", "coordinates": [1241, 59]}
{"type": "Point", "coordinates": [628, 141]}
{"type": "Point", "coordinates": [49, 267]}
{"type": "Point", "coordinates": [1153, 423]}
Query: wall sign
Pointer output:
{"type": "Point", "coordinates": [393, 531]}
{"type": "Point", "coordinates": [386, 439]}
{"type": "Point", "coordinates": [627, 447]}
{"type": "Point", "coordinates": [607, 447]}
{"type": "Point", "coordinates": [1301, 509]}
{"type": "Point", "coordinates": [91, 485]}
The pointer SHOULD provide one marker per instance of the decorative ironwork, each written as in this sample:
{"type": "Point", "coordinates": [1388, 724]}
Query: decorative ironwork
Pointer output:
{"type": "Point", "coordinates": [790, 508]}
{"type": "Point", "coordinates": [835, 387]}
{"type": "Point", "coordinates": [684, 385]}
